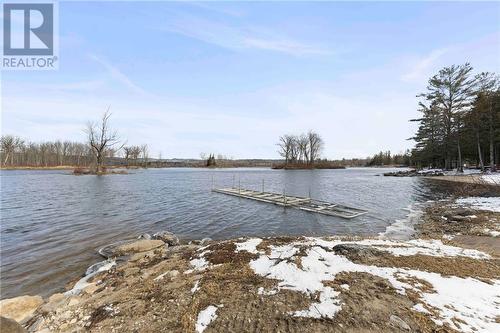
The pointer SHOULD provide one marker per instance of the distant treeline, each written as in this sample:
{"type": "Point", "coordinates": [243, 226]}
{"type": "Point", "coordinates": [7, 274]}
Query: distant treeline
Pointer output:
{"type": "Point", "coordinates": [15, 151]}
{"type": "Point", "coordinates": [460, 122]}
{"type": "Point", "coordinates": [18, 152]}
{"type": "Point", "coordinates": [385, 158]}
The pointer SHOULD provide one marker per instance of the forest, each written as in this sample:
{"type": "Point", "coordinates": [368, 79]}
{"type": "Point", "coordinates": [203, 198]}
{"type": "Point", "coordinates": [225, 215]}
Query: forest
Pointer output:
{"type": "Point", "coordinates": [460, 120]}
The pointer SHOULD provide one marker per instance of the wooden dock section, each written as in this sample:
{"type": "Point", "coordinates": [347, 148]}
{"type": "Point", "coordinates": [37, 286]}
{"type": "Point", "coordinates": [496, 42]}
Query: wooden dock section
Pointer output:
{"type": "Point", "coordinates": [303, 203]}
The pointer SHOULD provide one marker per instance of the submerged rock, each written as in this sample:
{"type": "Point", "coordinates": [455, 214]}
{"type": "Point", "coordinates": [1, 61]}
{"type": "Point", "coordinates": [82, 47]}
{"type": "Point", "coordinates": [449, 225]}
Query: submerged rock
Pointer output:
{"type": "Point", "coordinates": [167, 237]}
{"type": "Point", "coordinates": [124, 248]}
{"type": "Point", "coordinates": [144, 236]}
{"type": "Point", "coordinates": [20, 308]}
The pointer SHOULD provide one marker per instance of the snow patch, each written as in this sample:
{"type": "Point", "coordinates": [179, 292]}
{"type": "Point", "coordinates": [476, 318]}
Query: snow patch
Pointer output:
{"type": "Point", "coordinates": [262, 291]}
{"type": "Point", "coordinates": [196, 287]}
{"type": "Point", "coordinates": [464, 304]}
{"type": "Point", "coordinates": [491, 179]}
{"type": "Point", "coordinates": [432, 247]}
{"type": "Point", "coordinates": [205, 317]}
{"type": "Point", "coordinates": [199, 264]}
{"type": "Point", "coordinates": [420, 308]}
{"type": "Point", "coordinates": [490, 232]}
{"type": "Point", "coordinates": [482, 203]}
{"type": "Point", "coordinates": [249, 245]}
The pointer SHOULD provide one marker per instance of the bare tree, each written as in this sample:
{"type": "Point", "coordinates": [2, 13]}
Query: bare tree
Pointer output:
{"type": "Point", "coordinates": [100, 138]}
{"type": "Point", "coordinates": [285, 145]}
{"type": "Point", "coordinates": [144, 154]}
{"type": "Point", "coordinates": [8, 145]}
{"type": "Point", "coordinates": [303, 147]}
{"type": "Point", "coordinates": [135, 152]}
{"type": "Point", "coordinates": [315, 146]}
{"type": "Point", "coordinates": [127, 153]}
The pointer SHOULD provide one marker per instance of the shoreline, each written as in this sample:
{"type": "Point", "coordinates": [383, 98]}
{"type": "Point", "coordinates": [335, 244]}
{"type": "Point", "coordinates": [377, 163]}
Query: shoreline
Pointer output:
{"type": "Point", "coordinates": [477, 179]}
{"type": "Point", "coordinates": [67, 167]}
{"type": "Point", "coordinates": [268, 283]}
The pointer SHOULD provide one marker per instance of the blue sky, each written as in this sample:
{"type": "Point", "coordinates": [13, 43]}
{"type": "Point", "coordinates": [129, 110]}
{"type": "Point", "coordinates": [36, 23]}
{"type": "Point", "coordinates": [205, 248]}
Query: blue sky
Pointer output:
{"type": "Point", "coordinates": [230, 77]}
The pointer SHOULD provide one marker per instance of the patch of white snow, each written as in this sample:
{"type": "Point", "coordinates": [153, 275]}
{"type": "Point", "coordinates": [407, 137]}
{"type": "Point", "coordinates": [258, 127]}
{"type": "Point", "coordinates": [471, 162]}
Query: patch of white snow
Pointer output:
{"type": "Point", "coordinates": [250, 245]}
{"type": "Point", "coordinates": [205, 317]}
{"type": "Point", "coordinates": [491, 179]}
{"type": "Point", "coordinates": [482, 203]}
{"type": "Point", "coordinates": [474, 303]}
{"type": "Point", "coordinates": [195, 287]}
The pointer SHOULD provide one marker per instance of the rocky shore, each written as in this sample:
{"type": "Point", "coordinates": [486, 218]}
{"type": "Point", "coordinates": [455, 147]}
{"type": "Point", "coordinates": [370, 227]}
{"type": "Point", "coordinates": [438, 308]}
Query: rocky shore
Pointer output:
{"type": "Point", "coordinates": [446, 279]}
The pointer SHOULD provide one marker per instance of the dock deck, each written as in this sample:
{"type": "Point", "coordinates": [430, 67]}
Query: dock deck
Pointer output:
{"type": "Point", "coordinates": [303, 203]}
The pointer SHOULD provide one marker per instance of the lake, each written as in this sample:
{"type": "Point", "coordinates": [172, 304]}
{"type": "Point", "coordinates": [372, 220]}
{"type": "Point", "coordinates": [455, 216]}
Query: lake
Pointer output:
{"type": "Point", "coordinates": [52, 222]}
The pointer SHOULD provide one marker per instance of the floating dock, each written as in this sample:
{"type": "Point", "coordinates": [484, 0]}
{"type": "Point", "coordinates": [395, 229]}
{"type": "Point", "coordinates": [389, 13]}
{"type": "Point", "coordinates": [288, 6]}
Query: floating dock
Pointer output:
{"type": "Point", "coordinates": [303, 203]}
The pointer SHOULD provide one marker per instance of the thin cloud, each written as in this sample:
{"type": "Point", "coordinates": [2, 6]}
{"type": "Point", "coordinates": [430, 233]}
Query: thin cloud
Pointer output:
{"type": "Point", "coordinates": [285, 46]}
{"type": "Point", "coordinates": [217, 9]}
{"type": "Point", "coordinates": [119, 76]}
{"type": "Point", "coordinates": [240, 38]}
{"type": "Point", "coordinates": [423, 66]}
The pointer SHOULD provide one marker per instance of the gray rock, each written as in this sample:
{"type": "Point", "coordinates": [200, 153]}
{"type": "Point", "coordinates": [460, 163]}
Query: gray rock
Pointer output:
{"type": "Point", "coordinates": [127, 247]}
{"type": "Point", "coordinates": [54, 302]}
{"type": "Point", "coordinates": [460, 218]}
{"type": "Point", "coordinates": [167, 237]}
{"type": "Point", "coordinates": [139, 246]}
{"type": "Point", "coordinates": [131, 271]}
{"type": "Point", "coordinates": [460, 211]}
{"type": "Point", "coordinates": [11, 326]}
{"type": "Point", "coordinates": [399, 323]}
{"type": "Point", "coordinates": [20, 308]}
{"type": "Point", "coordinates": [356, 251]}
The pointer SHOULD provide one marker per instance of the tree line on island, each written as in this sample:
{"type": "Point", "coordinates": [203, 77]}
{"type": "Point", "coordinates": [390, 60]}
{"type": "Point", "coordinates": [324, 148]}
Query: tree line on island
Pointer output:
{"type": "Point", "coordinates": [303, 151]}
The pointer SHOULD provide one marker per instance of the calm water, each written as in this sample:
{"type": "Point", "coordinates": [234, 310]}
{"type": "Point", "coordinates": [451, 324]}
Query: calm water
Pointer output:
{"type": "Point", "coordinates": [52, 222]}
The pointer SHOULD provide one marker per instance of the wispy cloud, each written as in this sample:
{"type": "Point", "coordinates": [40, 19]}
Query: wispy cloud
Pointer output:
{"type": "Point", "coordinates": [236, 37]}
{"type": "Point", "coordinates": [119, 76]}
{"type": "Point", "coordinates": [78, 86]}
{"type": "Point", "coordinates": [421, 68]}
{"type": "Point", "coordinates": [283, 45]}
{"type": "Point", "coordinates": [205, 5]}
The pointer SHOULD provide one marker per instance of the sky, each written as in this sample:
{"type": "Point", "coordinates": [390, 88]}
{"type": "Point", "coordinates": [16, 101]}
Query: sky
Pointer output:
{"type": "Point", "coordinates": [231, 77]}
